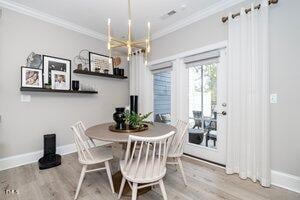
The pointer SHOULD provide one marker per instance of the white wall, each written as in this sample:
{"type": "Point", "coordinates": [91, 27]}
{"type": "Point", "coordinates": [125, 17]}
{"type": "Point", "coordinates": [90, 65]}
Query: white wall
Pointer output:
{"type": "Point", "coordinates": [285, 71]}
{"type": "Point", "coordinates": [23, 124]}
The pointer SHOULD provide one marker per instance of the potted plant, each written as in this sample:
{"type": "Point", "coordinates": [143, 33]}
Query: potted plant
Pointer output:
{"type": "Point", "coordinates": [136, 121]}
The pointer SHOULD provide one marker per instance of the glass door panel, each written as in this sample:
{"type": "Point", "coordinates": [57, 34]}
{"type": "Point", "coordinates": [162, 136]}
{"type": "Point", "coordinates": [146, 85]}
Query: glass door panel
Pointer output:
{"type": "Point", "coordinates": [202, 105]}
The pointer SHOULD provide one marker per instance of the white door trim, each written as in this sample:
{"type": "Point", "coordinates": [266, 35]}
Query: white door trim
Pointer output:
{"type": "Point", "coordinates": [211, 47]}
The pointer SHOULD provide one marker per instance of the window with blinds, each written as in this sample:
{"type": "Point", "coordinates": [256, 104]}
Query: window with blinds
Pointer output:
{"type": "Point", "coordinates": [162, 92]}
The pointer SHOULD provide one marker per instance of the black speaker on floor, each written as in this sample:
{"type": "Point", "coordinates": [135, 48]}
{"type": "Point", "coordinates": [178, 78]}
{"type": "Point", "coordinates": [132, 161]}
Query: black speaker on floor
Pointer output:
{"type": "Point", "coordinates": [134, 103]}
{"type": "Point", "coordinates": [50, 158]}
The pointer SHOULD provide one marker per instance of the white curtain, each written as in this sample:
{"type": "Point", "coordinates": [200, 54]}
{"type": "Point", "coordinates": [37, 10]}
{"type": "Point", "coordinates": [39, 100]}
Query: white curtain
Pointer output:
{"type": "Point", "coordinates": [248, 142]}
{"type": "Point", "coordinates": [135, 64]}
{"type": "Point", "coordinates": [140, 79]}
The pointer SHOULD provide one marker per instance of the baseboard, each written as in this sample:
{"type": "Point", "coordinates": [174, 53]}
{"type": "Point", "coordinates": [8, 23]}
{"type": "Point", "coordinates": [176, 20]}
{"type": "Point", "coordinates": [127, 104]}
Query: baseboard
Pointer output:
{"type": "Point", "coordinates": [27, 158]}
{"type": "Point", "coordinates": [286, 181]}
{"type": "Point", "coordinates": [280, 179]}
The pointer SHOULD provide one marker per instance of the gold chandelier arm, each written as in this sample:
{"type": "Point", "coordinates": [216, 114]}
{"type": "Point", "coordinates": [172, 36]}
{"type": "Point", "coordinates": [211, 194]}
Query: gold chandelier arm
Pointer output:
{"type": "Point", "coordinates": [138, 46]}
{"type": "Point", "coordinates": [139, 42]}
{"type": "Point", "coordinates": [118, 41]}
{"type": "Point", "coordinates": [118, 45]}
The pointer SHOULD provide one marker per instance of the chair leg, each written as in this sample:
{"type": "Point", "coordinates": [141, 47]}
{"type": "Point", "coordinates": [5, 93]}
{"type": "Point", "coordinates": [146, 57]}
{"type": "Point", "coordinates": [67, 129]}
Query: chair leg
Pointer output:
{"type": "Point", "coordinates": [163, 189]}
{"type": "Point", "coordinates": [181, 169]}
{"type": "Point", "coordinates": [121, 187]}
{"type": "Point", "coordinates": [134, 191]}
{"type": "Point", "coordinates": [80, 180]}
{"type": "Point", "coordinates": [109, 176]}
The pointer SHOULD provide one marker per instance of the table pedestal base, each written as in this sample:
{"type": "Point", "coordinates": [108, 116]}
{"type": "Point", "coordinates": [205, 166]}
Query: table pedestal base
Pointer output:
{"type": "Point", "coordinates": [117, 179]}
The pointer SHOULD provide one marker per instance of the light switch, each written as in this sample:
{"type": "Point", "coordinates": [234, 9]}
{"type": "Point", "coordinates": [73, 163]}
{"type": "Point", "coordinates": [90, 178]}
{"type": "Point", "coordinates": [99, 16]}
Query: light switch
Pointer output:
{"type": "Point", "coordinates": [273, 98]}
{"type": "Point", "coordinates": [25, 98]}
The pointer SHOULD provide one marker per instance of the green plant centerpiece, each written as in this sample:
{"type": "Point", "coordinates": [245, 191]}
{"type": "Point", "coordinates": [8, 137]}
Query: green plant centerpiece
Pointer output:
{"type": "Point", "coordinates": [136, 121]}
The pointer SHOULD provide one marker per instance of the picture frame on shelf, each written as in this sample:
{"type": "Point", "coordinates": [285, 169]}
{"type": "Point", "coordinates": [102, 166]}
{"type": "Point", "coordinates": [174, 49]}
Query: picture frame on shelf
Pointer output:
{"type": "Point", "coordinates": [31, 77]}
{"type": "Point", "coordinates": [51, 63]}
{"type": "Point", "coordinates": [100, 63]}
{"type": "Point", "coordinates": [60, 80]}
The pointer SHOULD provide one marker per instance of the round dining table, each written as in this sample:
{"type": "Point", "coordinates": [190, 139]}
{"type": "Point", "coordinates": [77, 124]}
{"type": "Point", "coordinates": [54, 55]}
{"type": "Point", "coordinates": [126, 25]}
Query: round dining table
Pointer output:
{"type": "Point", "coordinates": [119, 141]}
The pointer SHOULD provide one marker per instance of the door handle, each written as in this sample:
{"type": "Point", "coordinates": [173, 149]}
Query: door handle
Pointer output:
{"type": "Point", "coordinates": [222, 113]}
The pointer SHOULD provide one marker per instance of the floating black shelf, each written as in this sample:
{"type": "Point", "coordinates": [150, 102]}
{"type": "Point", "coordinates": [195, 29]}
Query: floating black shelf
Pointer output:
{"type": "Point", "coordinates": [26, 89]}
{"type": "Point", "coordinates": [77, 71]}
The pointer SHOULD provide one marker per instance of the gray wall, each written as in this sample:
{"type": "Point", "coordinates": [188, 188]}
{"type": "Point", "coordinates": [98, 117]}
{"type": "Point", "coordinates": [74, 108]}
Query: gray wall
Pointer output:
{"type": "Point", "coordinates": [284, 75]}
{"type": "Point", "coordinates": [23, 124]}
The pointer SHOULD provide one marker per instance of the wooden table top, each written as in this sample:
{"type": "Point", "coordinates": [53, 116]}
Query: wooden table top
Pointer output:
{"type": "Point", "coordinates": [101, 132]}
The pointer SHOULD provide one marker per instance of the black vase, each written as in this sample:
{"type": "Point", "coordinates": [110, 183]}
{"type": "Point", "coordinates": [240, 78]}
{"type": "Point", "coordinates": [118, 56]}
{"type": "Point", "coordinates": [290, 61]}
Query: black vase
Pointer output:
{"type": "Point", "coordinates": [75, 85]}
{"type": "Point", "coordinates": [121, 72]}
{"type": "Point", "coordinates": [116, 71]}
{"type": "Point", "coordinates": [118, 116]}
{"type": "Point", "coordinates": [134, 104]}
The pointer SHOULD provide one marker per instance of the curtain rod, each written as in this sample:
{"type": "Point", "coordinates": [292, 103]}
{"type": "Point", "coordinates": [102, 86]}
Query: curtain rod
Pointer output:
{"type": "Point", "coordinates": [225, 19]}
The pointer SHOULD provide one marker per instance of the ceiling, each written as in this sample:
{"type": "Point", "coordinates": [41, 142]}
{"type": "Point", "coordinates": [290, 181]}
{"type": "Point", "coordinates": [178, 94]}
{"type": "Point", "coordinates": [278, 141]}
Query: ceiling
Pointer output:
{"type": "Point", "coordinates": [93, 14]}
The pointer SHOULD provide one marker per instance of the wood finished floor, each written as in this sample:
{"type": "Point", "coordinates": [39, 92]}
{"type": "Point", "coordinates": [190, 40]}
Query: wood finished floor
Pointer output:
{"type": "Point", "coordinates": [204, 182]}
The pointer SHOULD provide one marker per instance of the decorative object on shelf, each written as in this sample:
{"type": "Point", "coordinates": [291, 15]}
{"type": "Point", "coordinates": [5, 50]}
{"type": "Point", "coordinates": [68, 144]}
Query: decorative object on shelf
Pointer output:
{"type": "Point", "coordinates": [100, 61]}
{"type": "Point", "coordinates": [75, 85]}
{"type": "Point", "coordinates": [97, 69]}
{"type": "Point", "coordinates": [129, 43]}
{"type": "Point", "coordinates": [117, 61]}
{"type": "Point", "coordinates": [34, 60]}
{"type": "Point", "coordinates": [116, 71]}
{"type": "Point", "coordinates": [122, 72]}
{"type": "Point", "coordinates": [105, 71]}
{"type": "Point", "coordinates": [83, 59]}
{"type": "Point", "coordinates": [134, 103]}
{"type": "Point", "coordinates": [31, 77]}
{"type": "Point", "coordinates": [119, 64]}
{"type": "Point", "coordinates": [47, 86]}
{"type": "Point", "coordinates": [136, 121]}
{"type": "Point", "coordinates": [79, 66]}
{"type": "Point", "coordinates": [58, 64]}
{"type": "Point", "coordinates": [118, 116]}
{"type": "Point", "coordinates": [58, 80]}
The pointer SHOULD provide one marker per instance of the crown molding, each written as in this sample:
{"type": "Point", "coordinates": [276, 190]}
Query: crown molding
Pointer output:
{"type": "Point", "coordinates": [217, 7]}
{"type": "Point", "coordinates": [94, 34]}
{"type": "Point", "coordinates": [50, 19]}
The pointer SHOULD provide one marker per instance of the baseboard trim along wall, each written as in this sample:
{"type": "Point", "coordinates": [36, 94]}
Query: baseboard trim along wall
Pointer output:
{"type": "Point", "coordinates": [286, 181]}
{"type": "Point", "coordinates": [279, 179]}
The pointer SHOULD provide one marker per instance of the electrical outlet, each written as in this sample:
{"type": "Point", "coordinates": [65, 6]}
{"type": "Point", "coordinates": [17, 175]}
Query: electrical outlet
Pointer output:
{"type": "Point", "coordinates": [273, 98]}
{"type": "Point", "coordinates": [25, 98]}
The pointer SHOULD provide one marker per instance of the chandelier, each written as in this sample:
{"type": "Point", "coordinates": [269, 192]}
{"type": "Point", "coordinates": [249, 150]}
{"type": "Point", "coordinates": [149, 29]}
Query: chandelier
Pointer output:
{"type": "Point", "coordinates": [130, 44]}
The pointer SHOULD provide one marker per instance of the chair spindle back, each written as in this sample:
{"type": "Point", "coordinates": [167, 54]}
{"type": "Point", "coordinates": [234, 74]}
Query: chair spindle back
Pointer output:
{"type": "Point", "coordinates": [179, 138]}
{"type": "Point", "coordinates": [147, 154]}
{"type": "Point", "coordinates": [81, 142]}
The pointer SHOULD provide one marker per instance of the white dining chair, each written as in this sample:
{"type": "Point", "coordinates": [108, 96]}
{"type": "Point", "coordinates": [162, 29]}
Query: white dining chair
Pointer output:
{"type": "Point", "coordinates": [176, 148]}
{"type": "Point", "coordinates": [90, 155]}
{"type": "Point", "coordinates": [147, 165]}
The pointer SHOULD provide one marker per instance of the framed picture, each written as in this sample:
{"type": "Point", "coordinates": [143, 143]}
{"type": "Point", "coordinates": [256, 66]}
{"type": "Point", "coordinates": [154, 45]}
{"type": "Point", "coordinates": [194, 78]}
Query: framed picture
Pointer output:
{"type": "Point", "coordinates": [100, 63]}
{"type": "Point", "coordinates": [59, 80]}
{"type": "Point", "coordinates": [31, 77]}
{"type": "Point", "coordinates": [51, 63]}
